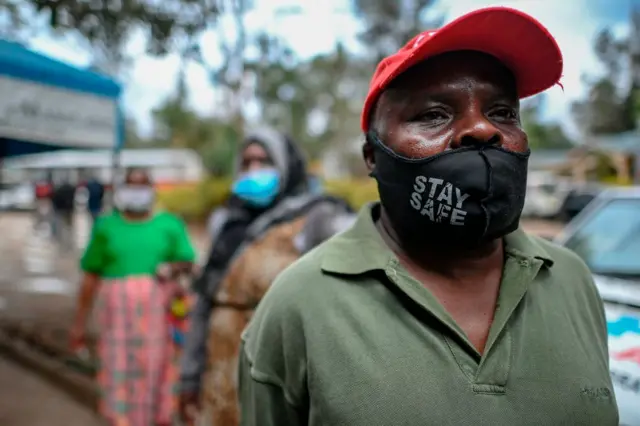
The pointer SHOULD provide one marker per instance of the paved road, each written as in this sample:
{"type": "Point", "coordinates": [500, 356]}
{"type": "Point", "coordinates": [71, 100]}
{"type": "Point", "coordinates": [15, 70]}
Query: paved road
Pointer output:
{"type": "Point", "coordinates": [27, 400]}
{"type": "Point", "coordinates": [37, 278]}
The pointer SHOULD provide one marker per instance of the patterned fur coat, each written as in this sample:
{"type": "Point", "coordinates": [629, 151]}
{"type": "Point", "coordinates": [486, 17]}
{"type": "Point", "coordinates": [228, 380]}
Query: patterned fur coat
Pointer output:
{"type": "Point", "coordinates": [248, 278]}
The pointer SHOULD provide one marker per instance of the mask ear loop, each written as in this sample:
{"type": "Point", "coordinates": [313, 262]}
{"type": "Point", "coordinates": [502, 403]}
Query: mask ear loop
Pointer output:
{"type": "Point", "coordinates": [489, 190]}
{"type": "Point", "coordinates": [372, 140]}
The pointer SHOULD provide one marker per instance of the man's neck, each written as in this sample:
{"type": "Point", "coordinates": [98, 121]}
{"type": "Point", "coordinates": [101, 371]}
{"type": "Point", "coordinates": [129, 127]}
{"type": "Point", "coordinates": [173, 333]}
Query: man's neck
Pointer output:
{"type": "Point", "coordinates": [456, 262]}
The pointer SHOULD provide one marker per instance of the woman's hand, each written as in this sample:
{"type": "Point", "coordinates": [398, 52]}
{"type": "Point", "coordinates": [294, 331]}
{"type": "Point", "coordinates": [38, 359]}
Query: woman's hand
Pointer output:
{"type": "Point", "coordinates": [188, 407]}
{"type": "Point", "coordinates": [77, 337]}
{"type": "Point", "coordinates": [164, 272]}
{"type": "Point", "coordinates": [88, 289]}
{"type": "Point", "coordinates": [171, 271]}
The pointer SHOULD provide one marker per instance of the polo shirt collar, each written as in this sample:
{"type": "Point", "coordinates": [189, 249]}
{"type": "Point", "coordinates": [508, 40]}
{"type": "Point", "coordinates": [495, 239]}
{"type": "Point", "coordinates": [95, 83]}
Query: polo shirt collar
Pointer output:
{"type": "Point", "coordinates": [520, 244]}
{"type": "Point", "coordinates": [361, 248]}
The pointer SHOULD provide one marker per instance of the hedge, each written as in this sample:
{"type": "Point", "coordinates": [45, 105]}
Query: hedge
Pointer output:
{"type": "Point", "coordinates": [195, 202]}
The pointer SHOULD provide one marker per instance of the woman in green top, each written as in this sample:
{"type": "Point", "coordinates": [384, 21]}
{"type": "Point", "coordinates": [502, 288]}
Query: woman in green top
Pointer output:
{"type": "Point", "coordinates": [121, 265]}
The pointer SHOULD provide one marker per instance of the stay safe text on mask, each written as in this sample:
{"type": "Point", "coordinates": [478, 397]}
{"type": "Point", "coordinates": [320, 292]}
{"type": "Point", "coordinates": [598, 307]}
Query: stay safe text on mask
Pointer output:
{"type": "Point", "coordinates": [439, 200]}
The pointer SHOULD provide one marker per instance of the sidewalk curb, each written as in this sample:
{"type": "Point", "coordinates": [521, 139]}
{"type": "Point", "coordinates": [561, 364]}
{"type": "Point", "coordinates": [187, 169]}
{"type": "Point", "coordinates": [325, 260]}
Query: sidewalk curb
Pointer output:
{"type": "Point", "coordinates": [80, 388]}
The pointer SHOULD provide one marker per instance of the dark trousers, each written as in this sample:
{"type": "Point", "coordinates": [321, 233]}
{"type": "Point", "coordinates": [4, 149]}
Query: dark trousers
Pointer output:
{"type": "Point", "coordinates": [63, 228]}
{"type": "Point", "coordinates": [94, 215]}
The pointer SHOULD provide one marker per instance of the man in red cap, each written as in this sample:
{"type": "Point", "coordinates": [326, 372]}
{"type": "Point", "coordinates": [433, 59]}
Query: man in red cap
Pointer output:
{"type": "Point", "coordinates": [435, 308]}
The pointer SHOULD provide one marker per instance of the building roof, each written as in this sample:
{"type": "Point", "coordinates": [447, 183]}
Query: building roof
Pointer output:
{"type": "Point", "coordinates": [19, 62]}
{"type": "Point", "coordinates": [66, 159]}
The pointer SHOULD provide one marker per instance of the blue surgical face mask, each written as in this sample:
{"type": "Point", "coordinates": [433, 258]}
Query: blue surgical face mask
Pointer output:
{"type": "Point", "coordinates": [257, 188]}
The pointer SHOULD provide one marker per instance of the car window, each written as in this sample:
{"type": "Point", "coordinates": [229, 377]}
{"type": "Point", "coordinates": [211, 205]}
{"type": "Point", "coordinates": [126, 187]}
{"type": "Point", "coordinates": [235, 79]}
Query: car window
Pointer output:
{"type": "Point", "coordinates": [609, 240]}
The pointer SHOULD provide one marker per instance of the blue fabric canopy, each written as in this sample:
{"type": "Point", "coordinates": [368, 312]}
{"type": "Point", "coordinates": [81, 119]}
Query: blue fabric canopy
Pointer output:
{"type": "Point", "coordinates": [19, 62]}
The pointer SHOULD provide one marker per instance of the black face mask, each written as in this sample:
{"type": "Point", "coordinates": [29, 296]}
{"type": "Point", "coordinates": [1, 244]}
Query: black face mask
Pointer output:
{"type": "Point", "coordinates": [458, 198]}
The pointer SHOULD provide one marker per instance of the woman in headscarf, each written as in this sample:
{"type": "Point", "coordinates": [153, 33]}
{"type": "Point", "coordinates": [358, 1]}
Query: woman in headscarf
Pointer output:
{"type": "Point", "coordinates": [129, 266]}
{"type": "Point", "coordinates": [274, 218]}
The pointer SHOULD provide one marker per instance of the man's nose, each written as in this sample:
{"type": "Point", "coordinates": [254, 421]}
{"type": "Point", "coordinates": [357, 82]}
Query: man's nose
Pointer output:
{"type": "Point", "coordinates": [476, 130]}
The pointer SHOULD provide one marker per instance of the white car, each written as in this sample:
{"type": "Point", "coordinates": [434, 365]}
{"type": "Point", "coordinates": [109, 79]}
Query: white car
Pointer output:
{"type": "Point", "coordinates": [606, 234]}
{"type": "Point", "coordinates": [18, 197]}
{"type": "Point", "coordinates": [546, 194]}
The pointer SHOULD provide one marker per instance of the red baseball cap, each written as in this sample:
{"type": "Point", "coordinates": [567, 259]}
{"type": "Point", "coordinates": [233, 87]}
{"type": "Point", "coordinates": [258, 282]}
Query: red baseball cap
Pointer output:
{"type": "Point", "coordinates": [513, 37]}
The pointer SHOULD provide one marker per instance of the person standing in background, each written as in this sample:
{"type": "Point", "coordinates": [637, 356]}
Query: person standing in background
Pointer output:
{"type": "Point", "coordinates": [95, 191]}
{"type": "Point", "coordinates": [130, 266]}
{"type": "Point", "coordinates": [43, 192]}
{"type": "Point", "coordinates": [272, 219]}
{"type": "Point", "coordinates": [63, 202]}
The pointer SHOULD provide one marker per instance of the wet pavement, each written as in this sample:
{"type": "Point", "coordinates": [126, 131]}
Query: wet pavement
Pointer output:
{"type": "Point", "coordinates": [21, 392]}
{"type": "Point", "coordinates": [39, 280]}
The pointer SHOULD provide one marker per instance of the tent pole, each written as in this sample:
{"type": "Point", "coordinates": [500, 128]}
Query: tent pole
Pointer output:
{"type": "Point", "coordinates": [117, 151]}
{"type": "Point", "coordinates": [115, 172]}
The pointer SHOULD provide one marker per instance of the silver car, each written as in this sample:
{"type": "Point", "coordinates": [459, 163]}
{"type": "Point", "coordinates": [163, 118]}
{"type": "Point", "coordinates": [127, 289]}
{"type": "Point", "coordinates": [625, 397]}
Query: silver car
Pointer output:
{"type": "Point", "coordinates": [606, 234]}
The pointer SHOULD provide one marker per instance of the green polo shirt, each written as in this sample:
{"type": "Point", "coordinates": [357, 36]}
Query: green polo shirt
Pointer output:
{"type": "Point", "coordinates": [346, 336]}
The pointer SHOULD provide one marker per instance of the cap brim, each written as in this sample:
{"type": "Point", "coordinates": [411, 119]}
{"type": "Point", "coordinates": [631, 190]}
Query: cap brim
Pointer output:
{"type": "Point", "coordinates": [517, 40]}
{"type": "Point", "coordinates": [514, 38]}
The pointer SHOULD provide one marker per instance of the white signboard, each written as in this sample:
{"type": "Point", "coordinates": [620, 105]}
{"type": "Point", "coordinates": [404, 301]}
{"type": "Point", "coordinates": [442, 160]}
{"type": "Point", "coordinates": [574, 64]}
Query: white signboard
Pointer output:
{"type": "Point", "coordinates": [38, 113]}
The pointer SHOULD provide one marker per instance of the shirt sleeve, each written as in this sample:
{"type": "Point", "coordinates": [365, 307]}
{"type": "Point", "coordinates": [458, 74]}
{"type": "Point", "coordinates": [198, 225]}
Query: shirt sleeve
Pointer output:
{"type": "Point", "coordinates": [183, 250]}
{"type": "Point", "coordinates": [601, 318]}
{"type": "Point", "coordinates": [94, 260]}
{"type": "Point", "coordinates": [263, 403]}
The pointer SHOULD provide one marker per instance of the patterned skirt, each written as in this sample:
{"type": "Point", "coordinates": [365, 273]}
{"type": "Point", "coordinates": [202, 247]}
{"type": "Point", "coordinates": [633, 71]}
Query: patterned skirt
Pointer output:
{"type": "Point", "coordinates": [137, 354]}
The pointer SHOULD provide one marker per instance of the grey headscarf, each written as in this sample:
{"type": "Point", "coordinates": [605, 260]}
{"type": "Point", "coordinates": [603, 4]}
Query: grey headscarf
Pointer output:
{"type": "Point", "coordinates": [286, 157]}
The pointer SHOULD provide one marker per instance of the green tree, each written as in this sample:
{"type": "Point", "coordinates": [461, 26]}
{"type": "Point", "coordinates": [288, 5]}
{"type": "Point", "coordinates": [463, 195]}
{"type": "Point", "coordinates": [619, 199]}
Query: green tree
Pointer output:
{"type": "Point", "coordinates": [318, 100]}
{"type": "Point", "coordinates": [389, 25]}
{"type": "Point", "coordinates": [132, 138]}
{"type": "Point", "coordinates": [541, 134]}
{"type": "Point", "coordinates": [177, 125]}
{"type": "Point", "coordinates": [613, 103]}
{"type": "Point", "coordinates": [107, 25]}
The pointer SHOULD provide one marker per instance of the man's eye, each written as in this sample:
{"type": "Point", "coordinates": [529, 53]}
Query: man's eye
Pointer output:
{"type": "Point", "coordinates": [506, 113]}
{"type": "Point", "coordinates": [432, 115]}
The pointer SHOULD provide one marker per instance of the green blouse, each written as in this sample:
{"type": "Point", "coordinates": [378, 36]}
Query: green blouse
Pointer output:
{"type": "Point", "coordinates": [120, 248]}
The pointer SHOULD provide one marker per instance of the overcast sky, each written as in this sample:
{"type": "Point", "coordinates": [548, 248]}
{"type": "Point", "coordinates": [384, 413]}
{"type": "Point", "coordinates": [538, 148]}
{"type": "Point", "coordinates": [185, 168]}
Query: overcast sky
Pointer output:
{"type": "Point", "coordinates": [320, 25]}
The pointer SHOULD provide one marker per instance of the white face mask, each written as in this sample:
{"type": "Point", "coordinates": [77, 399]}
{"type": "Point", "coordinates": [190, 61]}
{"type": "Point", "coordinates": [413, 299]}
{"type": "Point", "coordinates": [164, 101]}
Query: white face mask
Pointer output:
{"type": "Point", "coordinates": [135, 198]}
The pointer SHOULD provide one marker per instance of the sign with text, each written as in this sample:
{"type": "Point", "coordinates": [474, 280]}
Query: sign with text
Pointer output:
{"type": "Point", "coordinates": [623, 325]}
{"type": "Point", "coordinates": [35, 112]}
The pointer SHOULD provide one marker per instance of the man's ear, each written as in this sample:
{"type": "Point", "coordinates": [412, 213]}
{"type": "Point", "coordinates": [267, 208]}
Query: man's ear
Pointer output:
{"type": "Point", "coordinates": [369, 157]}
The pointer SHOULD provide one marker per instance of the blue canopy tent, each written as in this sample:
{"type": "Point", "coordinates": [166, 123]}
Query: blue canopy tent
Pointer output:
{"type": "Point", "coordinates": [47, 104]}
